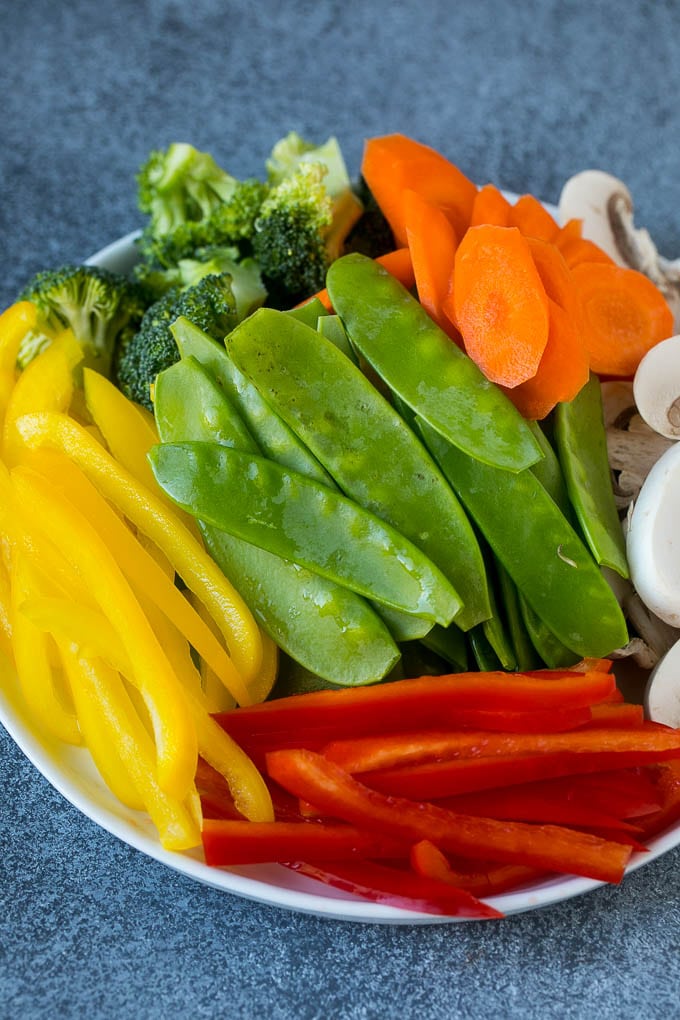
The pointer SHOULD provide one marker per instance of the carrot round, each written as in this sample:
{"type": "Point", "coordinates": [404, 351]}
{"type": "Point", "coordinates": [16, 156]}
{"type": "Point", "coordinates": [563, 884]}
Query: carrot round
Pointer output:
{"type": "Point", "coordinates": [432, 243]}
{"type": "Point", "coordinates": [499, 304]}
{"type": "Point", "coordinates": [393, 163]}
{"type": "Point", "coordinates": [624, 315]}
{"type": "Point", "coordinates": [580, 249]}
{"type": "Point", "coordinates": [490, 206]}
{"type": "Point", "coordinates": [532, 218]}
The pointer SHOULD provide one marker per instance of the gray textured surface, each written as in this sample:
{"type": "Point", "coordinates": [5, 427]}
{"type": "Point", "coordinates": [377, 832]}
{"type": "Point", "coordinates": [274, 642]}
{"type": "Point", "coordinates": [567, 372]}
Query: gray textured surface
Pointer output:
{"type": "Point", "coordinates": [521, 94]}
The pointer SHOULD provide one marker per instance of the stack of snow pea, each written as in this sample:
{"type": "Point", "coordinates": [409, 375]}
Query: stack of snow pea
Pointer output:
{"type": "Point", "coordinates": [369, 492]}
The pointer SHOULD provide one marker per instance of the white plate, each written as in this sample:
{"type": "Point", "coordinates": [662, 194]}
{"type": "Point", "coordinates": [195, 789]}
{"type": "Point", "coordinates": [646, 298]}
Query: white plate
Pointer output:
{"type": "Point", "coordinates": [71, 771]}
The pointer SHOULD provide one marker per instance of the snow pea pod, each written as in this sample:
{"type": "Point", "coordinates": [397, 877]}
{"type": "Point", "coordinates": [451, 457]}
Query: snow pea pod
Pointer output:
{"type": "Point", "coordinates": [539, 549]}
{"type": "Point", "coordinates": [417, 360]}
{"type": "Point", "coordinates": [328, 629]}
{"type": "Point", "coordinates": [274, 438]}
{"type": "Point", "coordinates": [582, 448]}
{"type": "Point", "coordinates": [301, 520]}
{"type": "Point", "coordinates": [364, 444]}
{"type": "Point", "coordinates": [551, 650]}
{"type": "Point", "coordinates": [525, 653]}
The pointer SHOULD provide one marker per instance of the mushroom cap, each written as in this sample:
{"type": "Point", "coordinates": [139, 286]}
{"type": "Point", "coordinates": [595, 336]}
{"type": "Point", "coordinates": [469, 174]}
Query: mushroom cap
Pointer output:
{"type": "Point", "coordinates": [587, 196]}
{"type": "Point", "coordinates": [662, 693]}
{"type": "Point", "coordinates": [656, 387]}
{"type": "Point", "coordinates": [653, 539]}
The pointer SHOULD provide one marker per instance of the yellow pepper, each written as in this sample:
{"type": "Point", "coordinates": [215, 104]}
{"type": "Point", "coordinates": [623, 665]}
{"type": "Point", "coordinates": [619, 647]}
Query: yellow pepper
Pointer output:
{"type": "Point", "coordinates": [15, 322]}
{"type": "Point", "coordinates": [141, 568]}
{"type": "Point", "coordinates": [5, 613]}
{"type": "Point", "coordinates": [102, 688]}
{"type": "Point", "coordinates": [50, 513]}
{"type": "Point", "coordinates": [146, 511]}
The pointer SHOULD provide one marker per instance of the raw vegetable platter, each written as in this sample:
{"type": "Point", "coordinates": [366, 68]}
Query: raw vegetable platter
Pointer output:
{"type": "Point", "coordinates": [71, 769]}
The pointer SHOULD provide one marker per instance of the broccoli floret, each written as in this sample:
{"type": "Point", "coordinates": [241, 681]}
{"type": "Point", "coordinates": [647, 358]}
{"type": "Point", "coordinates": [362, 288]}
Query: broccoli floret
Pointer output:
{"type": "Point", "coordinates": [192, 202]}
{"type": "Point", "coordinates": [289, 240]}
{"type": "Point", "coordinates": [208, 304]}
{"type": "Point", "coordinates": [96, 304]}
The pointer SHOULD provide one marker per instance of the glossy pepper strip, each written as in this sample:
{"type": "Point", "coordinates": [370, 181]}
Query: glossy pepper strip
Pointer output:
{"type": "Point", "coordinates": [49, 512]}
{"type": "Point", "coordinates": [301, 520]}
{"type": "Point", "coordinates": [348, 425]}
{"type": "Point", "coordinates": [582, 448]}
{"type": "Point", "coordinates": [328, 629]}
{"type": "Point", "coordinates": [424, 702]}
{"type": "Point", "coordinates": [336, 793]}
{"type": "Point", "coordinates": [418, 361]}
{"type": "Point", "coordinates": [143, 508]}
{"type": "Point", "coordinates": [539, 549]}
{"type": "Point", "coordinates": [428, 860]}
{"type": "Point", "coordinates": [15, 322]}
{"type": "Point", "coordinates": [387, 751]}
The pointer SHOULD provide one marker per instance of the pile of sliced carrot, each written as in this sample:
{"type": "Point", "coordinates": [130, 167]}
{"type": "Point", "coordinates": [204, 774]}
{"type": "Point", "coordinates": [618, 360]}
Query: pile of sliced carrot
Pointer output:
{"type": "Point", "coordinates": [430, 793]}
{"type": "Point", "coordinates": [536, 305]}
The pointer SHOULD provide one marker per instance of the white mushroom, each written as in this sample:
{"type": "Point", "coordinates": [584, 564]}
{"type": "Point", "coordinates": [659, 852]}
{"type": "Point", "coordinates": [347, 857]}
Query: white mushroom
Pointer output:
{"type": "Point", "coordinates": [653, 539]}
{"type": "Point", "coordinates": [604, 205]}
{"type": "Point", "coordinates": [662, 694]}
{"type": "Point", "coordinates": [656, 387]}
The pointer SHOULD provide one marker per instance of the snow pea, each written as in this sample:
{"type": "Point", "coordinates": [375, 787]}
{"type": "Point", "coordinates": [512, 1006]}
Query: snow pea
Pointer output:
{"type": "Point", "coordinates": [418, 361]}
{"type": "Point", "coordinates": [582, 448]}
{"type": "Point", "coordinates": [551, 650]}
{"type": "Point", "coordinates": [540, 550]}
{"type": "Point", "coordinates": [526, 655]}
{"type": "Point", "coordinates": [549, 472]}
{"type": "Point", "coordinates": [329, 630]}
{"type": "Point", "coordinates": [366, 446]}
{"type": "Point", "coordinates": [331, 327]}
{"type": "Point", "coordinates": [274, 438]}
{"type": "Point", "coordinates": [301, 520]}
{"type": "Point", "coordinates": [310, 312]}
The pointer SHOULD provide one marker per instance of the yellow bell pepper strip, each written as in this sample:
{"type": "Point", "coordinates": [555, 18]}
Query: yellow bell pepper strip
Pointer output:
{"type": "Point", "coordinates": [129, 433]}
{"type": "Point", "coordinates": [5, 613]}
{"type": "Point", "coordinates": [30, 647]}
{"type": "Point", "coordinates": [102, 687]}
{"type": "Point", "coordinates": [145, 510]}
{"type": "Point", "coordinates": [49, 512]}
{"type": "Point", "coordinates": [146, 575]}
{"type": "Point", "coordinates": [46, 384]}
{"type": "Point", "coordinates": [15, 322]}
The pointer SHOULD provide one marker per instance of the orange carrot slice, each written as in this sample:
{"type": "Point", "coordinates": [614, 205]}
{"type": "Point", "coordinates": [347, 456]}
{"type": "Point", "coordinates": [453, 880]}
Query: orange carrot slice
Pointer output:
{"type": "Point", "coordinates": [432, 242]}
{"type": "Point", "coordinates": [499, 304]}
{"type": "Point", "coordinates": [580, 249]}
{"type": "Point", "coordinates": [624, 316]}
{"type": "Point", "coordinates": [392, 163]}
{"type": "Point", "coordinates": [490, 206]}
{"type": "Point", "coordinates": [532, 218]}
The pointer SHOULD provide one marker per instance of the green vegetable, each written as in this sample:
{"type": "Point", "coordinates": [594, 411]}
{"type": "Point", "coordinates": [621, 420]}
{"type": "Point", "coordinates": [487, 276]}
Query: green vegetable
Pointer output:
{"type": "Point", "coordinates": [101, 307]}
{"type": "Point", "coordinates": [429, 373]}
{"type": "Point", "coordinates": [525, 654]}
{"type": "Point", "coordinates": [541, 552]}
{"type": "Point", "coordinates": [553, 653]}
{"type": "Point", "coordinates": [137, 361]}
{"type": "Point", "coordinates": [363, 443]}
{"type": "Point", "coordinates": [582, 449]}
{"type": "Point", "coordinates": [299, 519]}
{"type": "Point", "coordinates": [329, 630]}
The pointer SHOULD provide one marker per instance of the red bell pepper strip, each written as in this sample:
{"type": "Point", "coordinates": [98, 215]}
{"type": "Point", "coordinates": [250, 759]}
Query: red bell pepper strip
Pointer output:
{"type": "Point", "coordinates": [428, 860]}
{"type": "Point", "coordinates": [617, 714]}
{"type": "Point", "coordinates": [434, 780]}
{"type": "Point", "coordinates": [668, 786]}
{"type": "Point", "coordinates": [426, 702]}
{"type": "Point", "coordinates": [228, 842]}
{"type": "Point", "coordinates": [366, 754]}
{"type": "Point", "coordinates": [398, 888]}
{"type": "Point", "coordinates": [553, 848]}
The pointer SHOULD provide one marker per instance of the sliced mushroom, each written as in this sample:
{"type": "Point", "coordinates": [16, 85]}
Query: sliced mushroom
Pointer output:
{"type": "Point", "coordinates": [662, 694]}
{"type": "Point", "coordinates": [633, 449]}
{"type": "Point", "coordinates": [653, 539]}
{"type": "Point", "coordinates": [605, 206]}
{"type": "Point", "coordinates": [656, 388]}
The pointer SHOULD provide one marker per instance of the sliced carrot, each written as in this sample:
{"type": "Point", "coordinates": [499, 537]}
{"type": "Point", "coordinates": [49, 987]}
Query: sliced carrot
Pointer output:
{"type": "Point", "coordinates": [569, 231]}
{"type": "Point", "coordinates": [579, 249]}
{"type": "Point", "coordinates": [533, 219]}
{"type": "Point", "coordinates": [490, 206]}
{"type": "Point", "coordinates": [393, 163]}
{"type": "Point", "coordinates": [624, 313]}
{"type": "Point", "coordinates": [562, 371]}
{"type": "Point", "coordinates": [499, 304]}
{"type": "Point", "coordinates": [432, 242]}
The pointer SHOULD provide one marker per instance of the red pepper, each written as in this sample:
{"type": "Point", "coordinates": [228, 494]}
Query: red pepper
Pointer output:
{"type": "Point", "coordinates": [428, 860]}
{"type": "Point", "coordinates": [668, 786]}
{"type": "Point", "coordinates": [366, 754]}
{"type": "Point", "coordinates": [617, 714]}
{"type": "Point", "coordinates": [553, 848]}
{"type": "Point", "coordinates": [426, 702]}
{"type": "Point", "coordinates": [398, 888]}
{"type": "Point", "coordinates": [227, 842]}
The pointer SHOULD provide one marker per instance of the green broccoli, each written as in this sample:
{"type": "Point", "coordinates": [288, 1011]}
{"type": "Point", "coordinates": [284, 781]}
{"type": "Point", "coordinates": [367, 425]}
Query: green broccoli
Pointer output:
{"type": "Point", "coordinates": [208, 304]}
{"type": "Point", "coordinates": [99, 306]}
{"type": "Point", "coordinates": [192, 203]}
